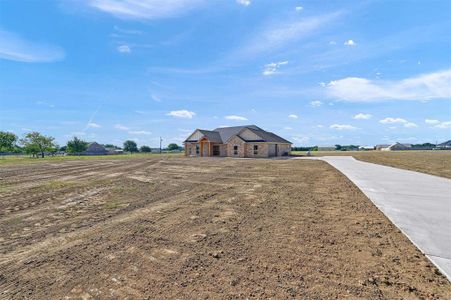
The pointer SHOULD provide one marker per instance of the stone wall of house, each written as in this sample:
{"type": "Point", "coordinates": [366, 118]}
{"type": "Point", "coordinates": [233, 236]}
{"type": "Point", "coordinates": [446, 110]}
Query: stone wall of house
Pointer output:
{"type": "Point", "coordinates": [223, 150]}
{"type": "Point", "coordinates": [190, 149]}
{"type": "Point", "coordinates": [261, 152]}
{"type": "Point", "coordinates": [284, 149]}
{"type": "Point", "coordinates": [236, 141]}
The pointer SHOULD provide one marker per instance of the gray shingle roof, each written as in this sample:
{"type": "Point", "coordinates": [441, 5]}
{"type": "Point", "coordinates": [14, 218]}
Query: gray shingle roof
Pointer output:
{"type": "Point", "coordinates": [223, 134]}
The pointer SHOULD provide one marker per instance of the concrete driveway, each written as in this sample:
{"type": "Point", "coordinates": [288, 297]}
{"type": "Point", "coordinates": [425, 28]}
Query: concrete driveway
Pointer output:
{"type": "Point", "coordinates": [418, 204]}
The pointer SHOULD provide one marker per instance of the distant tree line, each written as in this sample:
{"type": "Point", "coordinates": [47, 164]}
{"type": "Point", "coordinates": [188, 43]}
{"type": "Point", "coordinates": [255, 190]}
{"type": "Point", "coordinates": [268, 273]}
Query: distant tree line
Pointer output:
{"type": "Point", "coordinates": [313, 148]}
{"type": "Point", "coordinates": [347, 147]}
{"type": "Point", "coordinates": [39, 145]}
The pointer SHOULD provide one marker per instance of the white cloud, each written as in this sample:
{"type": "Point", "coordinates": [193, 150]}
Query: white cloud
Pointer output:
{"type": "Point", "coordinates": [349, 43]}
{"type": "Point", "coordinates": [236, 118]}
{"type": "Point", "coordinates": [293, 116]}
{"type": "Point", "coordinates": [298, 8]}
{"type": "Point", "coordinates": [186, 114]}
{"type": "Point", "coordinates": [393, 121]}
{"type": "Point", "coordinates": [287, 128]}
{"type": "Point", "coordinates": [444, 125]}
{"type": "Point", "coordinates": [278, 35]}
{"type": "Point", "coordinates": [342, 127]}
{"type": "Point", "coordinates": [362, 116]}
{"type": "Point", "coordinates": [155, 98]}
{"type": "Point", "coordinates": [271, 68]}
{"type": "Point", "coordinates": [423, 87]}
{"type": "Point", "coordinates": [431, 121]}
{"type": "Point", "coordinates": [140, 132]}
{"type": "Point", "coordinates": [145, 9]}
{"type": "Point", "coordinates": [13, 47]}
{"type": "Point", "coordinates": [410, 125]}
{"type": "Point", "coordinates": [120, 127]}
{"type": "Point", "coordinates": [244, 2]}
{"type": "Point", "coordinates": [45, 104]}
{"type": "Point", "coordinates": [316, 103]}
{"type": "Point", "coordinates": [124, 49]}
{"type": "Point", "coordinates": [402, 121]}
{"type": "Point", "coordinates": [93, 125]}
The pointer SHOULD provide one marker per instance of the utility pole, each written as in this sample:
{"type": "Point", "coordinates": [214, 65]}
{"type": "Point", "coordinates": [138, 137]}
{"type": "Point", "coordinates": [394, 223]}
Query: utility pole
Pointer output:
{"type": "Point", "coordinates": [160, 143]}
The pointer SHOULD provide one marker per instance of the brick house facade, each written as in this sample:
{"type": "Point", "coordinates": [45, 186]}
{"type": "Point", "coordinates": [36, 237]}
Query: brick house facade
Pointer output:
{"type": "Point", "coordinates": [238, 141]}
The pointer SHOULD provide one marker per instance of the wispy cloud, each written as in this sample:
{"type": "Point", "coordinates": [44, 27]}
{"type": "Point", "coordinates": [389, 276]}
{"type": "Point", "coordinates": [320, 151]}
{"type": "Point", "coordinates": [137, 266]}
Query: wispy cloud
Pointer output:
{"type": "Point", "coordinates": [342, 127]}
{"type": "Point", "coordinates": [235, 118]}
{"type": "Point", "coordinates": [145, 9]}
{"type": "Point", "coordinates": [293, 116]}
{"type": "Point", "coordinates": [444, 125]}
{"type": "Point", "coordinates": [124, 49]}
{"type": "Point", "coordinates": [43, 103]}
{"type": "Point", "coordinates": [140, 132]}
{"type": "Point", "coordinates": [400, 121]}
{"type": "Point", "coordinates": [431, 121]}
{"type": "Point", "coordinates": [298, 8]}
{"type": "Point", "coordinates": [120, 127]}
{"type": "Point", "coordinates": [362, 116]}
{"type": "Point", "coordinates": [271, 68]}
{"type": "Point", "coordinates": [423, 87]}
{"type": "Point", "coordinates": [93, 125]}
{"type": "Point", "coordinates": [185, 114]}
{"type": "Point", "coordinates": [244, 2]}
{"type": "Point", "coordinates": [316, 103]}
{"type": "Point", "coordinates": [13, 47]}
{"type": "Point", "coordinates": [277, 35]}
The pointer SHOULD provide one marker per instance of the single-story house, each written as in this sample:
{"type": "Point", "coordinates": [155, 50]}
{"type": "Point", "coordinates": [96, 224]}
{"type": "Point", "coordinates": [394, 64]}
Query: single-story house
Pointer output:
{"type": "Point", "coordinates": [381, 146]}
{"type": "Point", "coordinates": [237, 141]}
{"type": "Point", "coordinates": [95, 149]}
{"type": "Point", "coordinates": [398, 146]}
{"type": "Point", "coordinates": [445, 145]}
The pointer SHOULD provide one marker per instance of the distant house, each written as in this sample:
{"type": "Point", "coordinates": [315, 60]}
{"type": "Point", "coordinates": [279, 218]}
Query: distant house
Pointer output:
{"type": "Point", "coordinates": [381, 146]}
{"type": "Point", "coordinates": [237, 141]}
{"type": "Point", "coordinates": [366, 148]}
{"type": "Point", "coordinates": [95, 149]}
{"type": "Point", "coordinates": [398, 146]}
{"type": "Point", "coordinates": [444, 146]}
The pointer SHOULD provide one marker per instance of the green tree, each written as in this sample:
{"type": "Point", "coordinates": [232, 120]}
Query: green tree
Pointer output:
{"type": "Point", "coordinates": [145, 149]}
{"type": "Point", "coordinates": [173, 146]}
{"type": "Point", "coordinates": [7, 141]}
{"type": "Point", "coordinates": [76, 146]}
{"type": "Point", "coordinates": [35, 143]}
{"type": "Point", "coordinates": [130, 146]}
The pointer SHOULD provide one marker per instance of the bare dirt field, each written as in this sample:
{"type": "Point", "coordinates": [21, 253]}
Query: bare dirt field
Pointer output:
{"type": "Point", "coordinates": [173, 227]}
{"type": "Point", "coordinates": [431, 162]}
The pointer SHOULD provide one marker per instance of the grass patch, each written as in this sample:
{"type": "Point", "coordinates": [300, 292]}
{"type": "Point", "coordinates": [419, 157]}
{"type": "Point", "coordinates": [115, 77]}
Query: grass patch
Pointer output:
{"type": "Point", "coordinates": [28, 160]}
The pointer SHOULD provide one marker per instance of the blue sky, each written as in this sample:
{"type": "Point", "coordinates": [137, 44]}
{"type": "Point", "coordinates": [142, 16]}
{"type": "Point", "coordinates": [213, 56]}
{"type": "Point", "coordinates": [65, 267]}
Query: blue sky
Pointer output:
{"type": "Point", "coordinates": [315, 72]}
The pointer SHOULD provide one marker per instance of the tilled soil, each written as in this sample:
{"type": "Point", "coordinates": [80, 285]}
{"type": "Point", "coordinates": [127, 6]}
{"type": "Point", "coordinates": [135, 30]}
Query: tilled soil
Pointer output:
{"type": "Point", "coordinates": [167, 227]}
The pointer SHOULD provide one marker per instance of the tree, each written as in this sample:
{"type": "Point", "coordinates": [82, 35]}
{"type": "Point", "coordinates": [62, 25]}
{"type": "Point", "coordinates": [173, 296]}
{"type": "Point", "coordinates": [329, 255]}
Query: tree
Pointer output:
{"type": "Point", "coordinates": [35, 143]}
{"type": "Point", "coordinates": [130, 146]}
{"type": "Point", "coordinates": [145, 149]}
{"type": "Point", "coordinates": [7, 141]}
{"type": "Point", "coordinates": [76, 146]}
{"type": "Point", "coordinates": [173, 146]}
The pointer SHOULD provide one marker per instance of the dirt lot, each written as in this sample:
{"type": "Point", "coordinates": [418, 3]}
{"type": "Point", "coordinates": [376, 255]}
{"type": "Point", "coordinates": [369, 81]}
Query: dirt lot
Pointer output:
{"type": "Point", "coordinates": [200, 228]}
{"type": "Point", "coordinates": [431, 162]}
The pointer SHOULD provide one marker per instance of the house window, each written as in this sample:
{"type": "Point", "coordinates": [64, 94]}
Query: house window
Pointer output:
{"type": "Point", "coordinates": [255, 149]}
{"type": "Point", "coordinates": [197, 149]}
{"type": "Point", "coordinates": [235, 150]}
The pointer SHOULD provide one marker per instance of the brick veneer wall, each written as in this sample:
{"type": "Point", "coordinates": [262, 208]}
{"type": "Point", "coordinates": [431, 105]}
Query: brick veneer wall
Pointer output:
{"type": "Point", "coordinates": [238, 142]}
{"type": "Point", "coordinates": [262, 150]}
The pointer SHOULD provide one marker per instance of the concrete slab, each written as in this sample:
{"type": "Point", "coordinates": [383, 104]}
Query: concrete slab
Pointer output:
{"type": "Point", "coordinates": [418, 204]}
